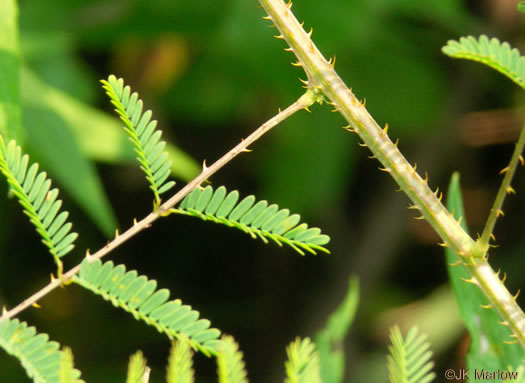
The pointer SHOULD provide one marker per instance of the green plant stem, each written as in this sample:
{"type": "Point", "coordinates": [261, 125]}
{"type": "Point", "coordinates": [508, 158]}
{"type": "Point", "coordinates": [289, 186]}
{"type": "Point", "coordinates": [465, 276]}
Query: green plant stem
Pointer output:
{"type": "Point", "coordinates": [322, 76]}
{"type": "Point", "coordinates": [504, 189]}
{"type": "Point", "coordinates": [306, 100]}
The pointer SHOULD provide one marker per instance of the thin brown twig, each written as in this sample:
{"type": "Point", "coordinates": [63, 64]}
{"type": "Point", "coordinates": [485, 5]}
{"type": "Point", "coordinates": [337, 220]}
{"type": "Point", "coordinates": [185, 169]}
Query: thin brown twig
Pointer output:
{"type": "Point", "coordinates": [306, 100]}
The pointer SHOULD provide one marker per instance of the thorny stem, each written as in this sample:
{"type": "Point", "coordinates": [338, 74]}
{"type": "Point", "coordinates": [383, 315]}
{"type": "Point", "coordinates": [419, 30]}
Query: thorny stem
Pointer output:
{"type": "Point", "coordinates": [322, 76]}
{"type": "Point", "coordinates": [306, 100]}
{"type": "Point", "coordinates": [504, 189]}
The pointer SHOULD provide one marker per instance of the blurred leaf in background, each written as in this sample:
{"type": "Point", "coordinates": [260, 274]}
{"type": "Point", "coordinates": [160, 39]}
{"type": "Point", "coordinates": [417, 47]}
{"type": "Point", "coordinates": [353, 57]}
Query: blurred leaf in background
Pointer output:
{"type": "Point", "coordinates": [52, 144]}
{"type": "Point", "coordinates": [330, 340]}
{"type": "Point", "coordinates": [63, 131]}
{"type": "Point", "coordinates": [10, 121]}
{"type": "Point", "coordinates": [489, 348]}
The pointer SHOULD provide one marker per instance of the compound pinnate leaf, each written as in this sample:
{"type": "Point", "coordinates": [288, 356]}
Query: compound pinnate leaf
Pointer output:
{"type": "Point", "coordinates": [138, 296]}
{"type": "Point", "coordinates": [180, 363]}
{"type": "Point", "coordinates": [491, 52]}
{"type": "Point", "coordinates": [33, 190]}
{"type": "Point", "coordinates": [68, 373]}
{"type": "Point", "coordinates": [409, 359]}
{"type": "Point", "coordinates": [40, 357]}
{"type": "Point", "coordinates": [230, 362]}
{"type": "Point", "coordinates": [255, 218]}
{"type": "Point", "coordinates": [303, 362]}
{"type": "Point", "coordinates": [137, 368]}
{"type": "Point", "coordinates": [142, 132]}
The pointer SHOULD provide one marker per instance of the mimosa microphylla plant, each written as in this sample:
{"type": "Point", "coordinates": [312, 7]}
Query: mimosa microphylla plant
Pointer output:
{"type": "Point", "coordinates": [140, 296]}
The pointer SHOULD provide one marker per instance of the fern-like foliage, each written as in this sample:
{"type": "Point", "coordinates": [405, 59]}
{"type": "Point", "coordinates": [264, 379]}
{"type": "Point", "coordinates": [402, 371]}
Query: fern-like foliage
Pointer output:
{"type": "Point", "coordinates": [303, 362]}
{"type": "Point", "coordinates": [257, 219]}
{"type": "Point", "coordinates": [33, 190]}
{"type": "Point", "coordinates": [180, 363]}
{"type": "Point", "coordinates": [40, 357]}
{"type": "Point", "coordinates": [140, 297]}
{"type": "Point", "coordinates": [409, 359]}
{"type": "Point", "coordinates": [230, 362]}
{"type": "Point", "coordinates": [138, 371]}
{"type": "Point", "coordinates": [141, 130]}
{"type": "Point", "coordinates": [499, 56]}
{"type": "Point", "coordinates": [68, 373]}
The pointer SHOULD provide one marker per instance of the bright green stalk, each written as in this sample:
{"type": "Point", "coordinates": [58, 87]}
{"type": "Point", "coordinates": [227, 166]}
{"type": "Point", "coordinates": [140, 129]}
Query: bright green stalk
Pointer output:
{"type": "Point", "coordinates": [504, 189]}
{"type": "Point", "coordinates": [323, 77]}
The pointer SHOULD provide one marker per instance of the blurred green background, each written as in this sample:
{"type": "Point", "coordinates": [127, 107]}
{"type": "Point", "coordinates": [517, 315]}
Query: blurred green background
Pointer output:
{"type": "Point", "coordinates": [212, 72]}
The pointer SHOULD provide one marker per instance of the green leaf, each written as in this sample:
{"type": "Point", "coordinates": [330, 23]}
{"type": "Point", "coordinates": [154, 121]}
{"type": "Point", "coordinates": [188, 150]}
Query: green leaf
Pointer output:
{"type": "Point", "coordinates": [138, 371]}
{"type": "Point", "coordinates": [521, 6]}
{"type": "Point", "coordinates": [303, 362]}
{"type": "Point", "coordinates": [40, 357]}
{"type": "Point", "coordinates": [100, 136]}
{"type": "Point", "coordinates": [488, 349]}
{"type": "Point", "coordinates": [33, 190]}
{"type": "Point", "coordinates": [409, 359]}
{"type": "Point", "coordinates": [499, 56]}
{"type": "Point", "coordinates": [138, 296]}
{"type": "Point", "coordinates": [68, 373]}
{"type": "Point", "coordinates": [230, 363]}
{"type": "Point", "coordinates": [257, 219]}
{"type": "Point", "coordinates": [10, 114]}
{"type": "Point", "coordinates": [141, 129]}
{"type": "Point", "coordinates": [53, 145]}
{"type": "Point", "coordinates": [180, 363]}
{"type": "Point", "coordinates": [330, 340]}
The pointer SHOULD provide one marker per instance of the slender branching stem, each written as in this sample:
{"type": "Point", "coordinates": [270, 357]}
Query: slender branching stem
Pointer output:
{"type": "Point", "coordinates": [306, 100]}
{"type": "Point", "coordinates": [322, 76]}
{"type": "Point", "coordinates": [504, 189]}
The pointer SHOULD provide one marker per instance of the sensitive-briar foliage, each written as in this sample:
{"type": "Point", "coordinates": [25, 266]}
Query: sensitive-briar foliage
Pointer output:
{"type": "Point", "coordinates": [257, 219]}
{"type": "Point", "coordinates": [40, 357]}
{"type": "Point", "coordinates": [140, 297]}
{"type": "Point", "coordinates": [68, 373]}
{"type": "Point", "coordinates": [303, 362]}
{"type": "Point", "coordinates": [302, 365]}
{"type": "Point", "coordinates": [499, 56]}
{"type": "Point", "coordinates": [180, 363]}
{"type": "Point", "coordinates": [409, 359]}
{"type": "Point", "coordinates": [141, 130]}
{"type": "Point", "coordinates": [33, 190]}
{"type": "Point", "coordinates": [230, 362]}
{"type": "Point", "coordinates": [138, 371]}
